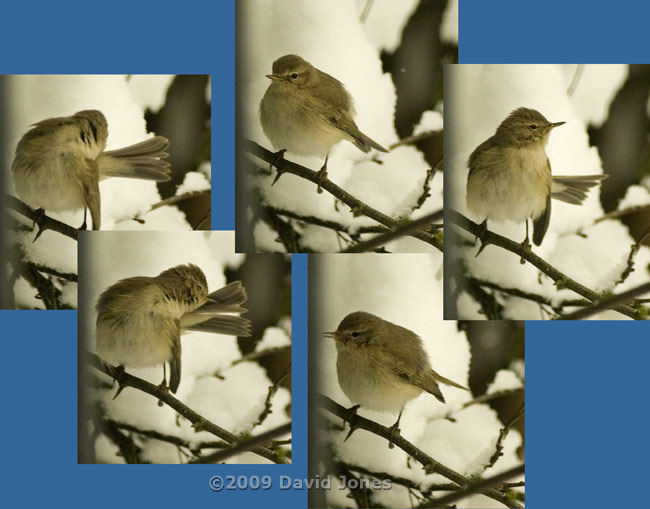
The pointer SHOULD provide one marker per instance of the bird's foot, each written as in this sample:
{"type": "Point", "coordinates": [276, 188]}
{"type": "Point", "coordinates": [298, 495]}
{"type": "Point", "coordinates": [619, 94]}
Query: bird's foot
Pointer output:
{"type": "Point", "coordinates": [394, 432]}
{"type": "Point", "coordinates": [525, 246]}
{"type": "Point", "coordinates": [482, 228]}
{"type": "Point", "coordinates": [276, 158]}
{"type": "Point", "coordinates": [163, 388]}
{"type": "Point", "coordinates": [39, 216]}
{"type": "Point", "coordinates": [321, 176]}
{"type": "Point", "coordinates": [350, 413]}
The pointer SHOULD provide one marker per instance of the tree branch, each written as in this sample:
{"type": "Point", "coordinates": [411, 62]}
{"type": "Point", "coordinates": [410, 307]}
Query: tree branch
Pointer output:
{"type": "Point", "coordinates": [199, 423]}
{"type": "Point", "coordinates": [357, 206]}
{"type": "Point", "coordinates": [561, 280]}
{"type": "Point", "coordinates": [430, 465]}
{"type": "Point", "coordinates": [44, 222]}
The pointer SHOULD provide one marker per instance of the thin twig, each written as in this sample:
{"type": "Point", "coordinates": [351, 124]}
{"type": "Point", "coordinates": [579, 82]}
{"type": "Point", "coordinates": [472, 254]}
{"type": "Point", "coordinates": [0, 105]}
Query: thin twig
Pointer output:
{"type": "Point", "coordinates": [68, 276]}
{"type": "Point", "coordinates": [253, 356]}
{"type": "Point", "coordinates": [271, 392]}
{"type": "Point", "coordinates": [399, 231]}
{"type": "Point", "coordinates": [325, 223]}
{"type": "Point", "coordinates": [630, 259]}
{"type": "Point", "coordinates": [498, 450]}
{"type": "Point", "coordinates": [426, 190]}
{"type": "Point", "coordinates": [610, 303]}
{"type": "Point", "coordinates": [478, 487]}
{"type": "Point", "coordinates": [246, 445]}
{"type": "Point", "coordinates": [181, 197]}
{"type": "Point", "coordinates": [410, 140]}
{"type": "Point", "coordinates": [623, 212]}
{"type": "Point", "coordinates": [206, 217]}
{"type": "Point", "coordinates": [366, 11]}
{"type": "Point", "coordinates": [540, 299]}
{"type": "Point", "coordinates": [576, 79]}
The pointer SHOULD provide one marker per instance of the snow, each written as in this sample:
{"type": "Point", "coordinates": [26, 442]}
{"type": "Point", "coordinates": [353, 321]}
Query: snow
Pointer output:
{"type": "Point", "coordinates": [478, 98]}
{"type": "Point", "coordinates": [330, 36]}
{"type": "Point", "coordinates": [194, 181]}
{"type": "Point", "coordinates": [230, 396]}
{"type": "Point", "coordinates": [449, 28]}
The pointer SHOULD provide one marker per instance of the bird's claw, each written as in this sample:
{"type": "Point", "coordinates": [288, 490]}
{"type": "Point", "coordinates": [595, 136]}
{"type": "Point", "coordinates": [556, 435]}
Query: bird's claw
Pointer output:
{"type": "Point", "coordinates": [275, 161]}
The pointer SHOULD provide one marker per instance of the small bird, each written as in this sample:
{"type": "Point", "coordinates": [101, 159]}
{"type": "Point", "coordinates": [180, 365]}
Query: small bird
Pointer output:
{"type": "Point", "coordinates": [306, 112]}
{"type": "Point", "coordinates": [140, 319]}
{"type": "Point", "coordinates": [60, 161]}
{"type": "Point", "coordinates": [510, 175]}
{"type": "Point", "coordinates": [382, 366]}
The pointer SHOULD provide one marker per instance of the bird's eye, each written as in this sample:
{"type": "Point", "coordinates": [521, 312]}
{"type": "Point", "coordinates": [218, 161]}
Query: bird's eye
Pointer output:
{"type": "Point", "coordinates": [532, 127]}
{"type": "Point", "coordinates": [294, 75]}
{"type": "Point", "coordinates": [355, 334]}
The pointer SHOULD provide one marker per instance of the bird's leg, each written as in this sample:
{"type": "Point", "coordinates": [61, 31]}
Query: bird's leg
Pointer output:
{"type": "Point", "coordinates": [84, 225]}
{"type": "Point", "coordinates": [394, 430]}
{"type": "Point", "coordinates": [482, 228]}
{"type": "Point", "coordinates": [322, 174]}
{"type": "Point", "coordinates": [275, 161]}
{"type": "Point", "coordinates": [351, 412]}
{"type": "Point", "coordinates": [163, 387]}
{"type": "Point", "coordinates": [525, 245]}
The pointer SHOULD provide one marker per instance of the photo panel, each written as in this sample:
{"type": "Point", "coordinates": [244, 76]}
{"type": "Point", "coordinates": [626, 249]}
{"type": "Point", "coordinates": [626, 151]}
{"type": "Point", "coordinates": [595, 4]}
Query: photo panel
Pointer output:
{"type": "Point", "coordinates": [100, 152]}
{"type": "Point", "coordinates": [406, 408]}
{"type": "Point", "coordinates": [184, 350]}
{"type": "Point", "coordinates": [547, 213]}
{"type": "Point", "coordinates": [339, 125]}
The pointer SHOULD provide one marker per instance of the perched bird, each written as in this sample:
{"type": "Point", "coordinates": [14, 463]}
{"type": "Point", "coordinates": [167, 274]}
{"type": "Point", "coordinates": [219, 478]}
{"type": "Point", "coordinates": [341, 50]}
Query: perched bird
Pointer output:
{"type": "Point", "coordinates": [381, 366]}
{"type": "Point", "coordinates": [306, 112]}
{"type": "Point", "coordinates": [510, 175]}
{"type": "Point", "coordinates": [60, 161]}
{"type": "Point", "coordinates": [140, 319]}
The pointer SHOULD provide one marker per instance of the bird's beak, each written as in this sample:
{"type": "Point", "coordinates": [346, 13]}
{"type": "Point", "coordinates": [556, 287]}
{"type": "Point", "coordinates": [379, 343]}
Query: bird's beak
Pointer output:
{"type": "Point", "coordinates": [274, 77]}
{"type": "Point", "coordinates": [557, 124]}
{"type": "Point", "coordinates": [331, 335]}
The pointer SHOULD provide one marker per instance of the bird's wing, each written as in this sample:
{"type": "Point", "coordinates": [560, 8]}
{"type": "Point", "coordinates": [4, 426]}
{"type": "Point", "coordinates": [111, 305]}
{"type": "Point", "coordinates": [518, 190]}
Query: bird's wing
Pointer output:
{"type": "Point", "coordinates": [540, 225]}
{"type": "Point", "coordinates": [417, 373]}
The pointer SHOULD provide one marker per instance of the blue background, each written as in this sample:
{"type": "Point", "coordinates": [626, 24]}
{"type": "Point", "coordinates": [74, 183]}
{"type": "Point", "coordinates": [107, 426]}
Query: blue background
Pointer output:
{"type": "Point", "coordinates": [587, 419]}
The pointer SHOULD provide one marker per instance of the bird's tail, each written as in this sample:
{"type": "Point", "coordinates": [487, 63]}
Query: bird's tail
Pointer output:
{"type": "Point", "coordinates": [211, 318]}
{"type": "Point", "coordinates": [573, 189]}
{"type": "Point", "coordinates": [365, 143]}
{"type": "Point", "coordinates": [144, 160]}
{"type": "Point", "coordinates": [226, 299]}
{"type": "Point", "coordinates": [446, 381]}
